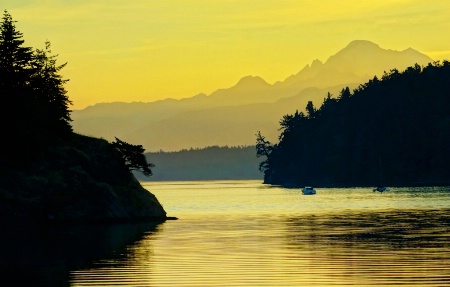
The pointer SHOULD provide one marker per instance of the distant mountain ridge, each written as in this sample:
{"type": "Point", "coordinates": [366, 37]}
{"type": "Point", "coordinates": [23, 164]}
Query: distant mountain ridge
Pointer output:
{"type": "Point", "coordinates": [232, 116]}
{"type": "Point", "coordinates": [359, 61]}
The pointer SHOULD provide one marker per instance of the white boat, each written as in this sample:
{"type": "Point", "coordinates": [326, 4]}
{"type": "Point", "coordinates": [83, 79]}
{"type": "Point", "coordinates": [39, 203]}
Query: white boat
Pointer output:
{"type": "Point", "coordinates": [308, 190]}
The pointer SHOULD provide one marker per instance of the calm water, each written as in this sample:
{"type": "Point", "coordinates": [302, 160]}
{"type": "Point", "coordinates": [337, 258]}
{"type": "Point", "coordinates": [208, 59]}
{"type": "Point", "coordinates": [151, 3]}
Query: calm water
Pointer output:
{"type": "Point", "coordinates": [243, 233]}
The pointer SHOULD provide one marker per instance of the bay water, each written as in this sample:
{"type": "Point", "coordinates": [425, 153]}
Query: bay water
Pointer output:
{"type": "Point", "coordinates": [245, 233]}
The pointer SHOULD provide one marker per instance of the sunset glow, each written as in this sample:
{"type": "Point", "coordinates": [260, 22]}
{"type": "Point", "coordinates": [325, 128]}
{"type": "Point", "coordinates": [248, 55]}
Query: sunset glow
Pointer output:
{"type": "Point", "coordinates": [149, 50]}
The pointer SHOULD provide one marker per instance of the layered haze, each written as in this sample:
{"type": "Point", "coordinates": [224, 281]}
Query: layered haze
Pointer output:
{"type": "Point", "coordinates": [233, 115]}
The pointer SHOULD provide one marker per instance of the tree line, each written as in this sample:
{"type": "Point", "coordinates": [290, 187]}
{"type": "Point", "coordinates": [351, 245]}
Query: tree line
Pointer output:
{"type": "Point", "coordinates": [401, 120]}
{"type": "Point", "coordinates": [209, 163]}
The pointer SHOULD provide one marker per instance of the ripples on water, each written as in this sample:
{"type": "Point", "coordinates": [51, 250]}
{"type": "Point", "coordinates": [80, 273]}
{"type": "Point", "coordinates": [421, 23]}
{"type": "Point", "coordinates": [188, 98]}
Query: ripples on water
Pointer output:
{"type": "Point", "coordinates": [247, 234]}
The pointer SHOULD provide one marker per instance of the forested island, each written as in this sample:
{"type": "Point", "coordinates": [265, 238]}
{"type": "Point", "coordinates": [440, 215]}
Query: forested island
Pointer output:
{"type": "Point", "coordinates": [395, 130]}
{"type": "Point", "coordinates": [47, 172]}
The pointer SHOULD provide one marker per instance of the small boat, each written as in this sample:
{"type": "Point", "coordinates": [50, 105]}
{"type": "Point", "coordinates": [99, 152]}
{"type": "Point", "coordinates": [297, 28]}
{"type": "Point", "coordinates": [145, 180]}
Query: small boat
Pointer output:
{"type": "Point", "coordinates": [308, 190]}
{"type": "Point", "coordinates": [380, 188]}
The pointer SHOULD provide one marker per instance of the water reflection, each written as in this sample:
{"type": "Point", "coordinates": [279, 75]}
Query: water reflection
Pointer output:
{"type": "Point", "coordinates": [45, 256]}
{"type": "Point", "coordinates": [381, 248]}
{"type": "Point", "coordinates": [393, 229]}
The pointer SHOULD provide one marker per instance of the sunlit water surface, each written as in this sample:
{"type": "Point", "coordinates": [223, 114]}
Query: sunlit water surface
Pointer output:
{"type": "Point", "coordinates": [244, 233]}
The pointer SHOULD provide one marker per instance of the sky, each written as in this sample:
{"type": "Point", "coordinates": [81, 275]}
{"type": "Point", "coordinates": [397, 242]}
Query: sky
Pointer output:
{"type": "Point", "coordinates": [148, 50]}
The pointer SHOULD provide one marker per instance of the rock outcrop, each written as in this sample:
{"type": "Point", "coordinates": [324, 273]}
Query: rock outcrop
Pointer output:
{"type": "Point", "coordinates": [81, 179]}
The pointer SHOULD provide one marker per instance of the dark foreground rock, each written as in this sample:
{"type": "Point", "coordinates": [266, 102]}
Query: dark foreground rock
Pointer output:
{"type": "Point", "coordinates": [81, 179]}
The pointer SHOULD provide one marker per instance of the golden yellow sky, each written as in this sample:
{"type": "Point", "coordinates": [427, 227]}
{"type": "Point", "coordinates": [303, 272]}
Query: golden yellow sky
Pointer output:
{"type": "Point", "coordinates": [145, 50]}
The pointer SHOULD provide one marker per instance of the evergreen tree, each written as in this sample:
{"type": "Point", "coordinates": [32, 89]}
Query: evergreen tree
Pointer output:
{"type": "Point", "coordinates": [49, 92]}
{"type": "Point", "coordinates": [310, 110]}
{"type": "Point", "coordinates": [15, 59]}
{"type": "Point", "coordinates": [345, 94]}
{"type": "Point", "coordinates": [133, 156]}
{"type": "Point", "coordinates": [263, 148]}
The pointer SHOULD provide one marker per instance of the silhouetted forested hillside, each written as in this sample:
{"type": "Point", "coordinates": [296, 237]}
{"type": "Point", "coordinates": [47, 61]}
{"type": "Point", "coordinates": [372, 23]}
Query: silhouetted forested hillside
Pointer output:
{"type": "Point", "coordinates": [211, 163]}
{"type": "Point", "coordinates": [402, 120]}
{"type": "Point", "coordinates": [47, 172]}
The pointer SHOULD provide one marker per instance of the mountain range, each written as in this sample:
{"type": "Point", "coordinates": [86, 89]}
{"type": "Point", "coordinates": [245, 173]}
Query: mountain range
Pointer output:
{"type": "Point", "coordinates": [233, 115]}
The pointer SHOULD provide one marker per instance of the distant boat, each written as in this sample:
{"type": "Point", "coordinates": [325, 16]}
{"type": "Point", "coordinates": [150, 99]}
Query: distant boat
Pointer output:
{"type": "Point", "coordinates": [380, 187]}
{"type": "Point", "coordinates": [308, 190]}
